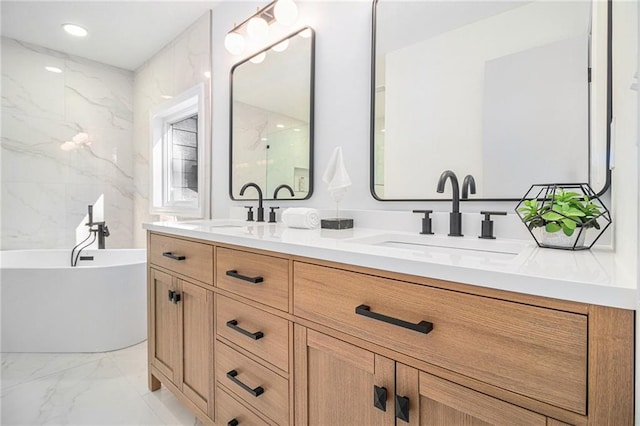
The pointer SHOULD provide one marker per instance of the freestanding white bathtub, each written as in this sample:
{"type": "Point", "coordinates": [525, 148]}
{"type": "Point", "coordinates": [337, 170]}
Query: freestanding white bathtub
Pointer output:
{"type": "Point", "coordinates": [48, 306]}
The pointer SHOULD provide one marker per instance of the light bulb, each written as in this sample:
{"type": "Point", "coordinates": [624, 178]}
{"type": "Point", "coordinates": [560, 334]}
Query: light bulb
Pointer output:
{"type": "Point", "coordinates": [282, 46]}
{"type": "Point", "coordinates": [257, 28]}
{"type": "Point", "coordinates": [286, 12]}
{"type": "Point", "coordinates": [75, 30]}
{"type": "Point", "coordinates": [306, 33]}
{"type": "Point", "coordinates": [258, 58]}
{"type": "Point", "coordinates": [234, 43]}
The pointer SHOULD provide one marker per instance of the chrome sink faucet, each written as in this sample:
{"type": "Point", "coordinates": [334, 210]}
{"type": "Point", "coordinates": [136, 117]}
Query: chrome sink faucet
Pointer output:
{"type": "Point", "coordinates": [260, 208]}
{"type": "Point", "coordinates": [455, 217]}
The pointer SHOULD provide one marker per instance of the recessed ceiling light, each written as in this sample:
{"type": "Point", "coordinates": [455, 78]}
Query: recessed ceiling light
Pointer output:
{"type": "Point", "coordinates": [75, 30]}
{"type": "Point", "coordinates": [53, 69]}
{"type": "Point", "coordinates": [280, 126]}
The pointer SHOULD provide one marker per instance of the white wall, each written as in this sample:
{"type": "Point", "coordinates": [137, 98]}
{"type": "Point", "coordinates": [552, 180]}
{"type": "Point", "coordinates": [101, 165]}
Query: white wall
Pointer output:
{"type": "Point", "coordinates": [46, 190]}
{"type": "Point", "coordinates": [343, 70]}
{"type": "Point", "coordinates": [177, 67]}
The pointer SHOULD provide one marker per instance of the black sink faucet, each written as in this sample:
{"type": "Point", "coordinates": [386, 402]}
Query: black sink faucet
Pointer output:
{"type": "Point", "coordinates": [455, 217]}
{"type": "Point", "coordinates": [283, 186]}
{"type": "Point", "coordinates": [260, 208]}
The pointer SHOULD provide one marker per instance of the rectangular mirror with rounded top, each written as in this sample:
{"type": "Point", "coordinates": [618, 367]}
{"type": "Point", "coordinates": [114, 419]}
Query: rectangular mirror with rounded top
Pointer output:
{"type": "Point", "coordinates": [271, 140]}
{"type": "Point", "coordinates": [510, 92]}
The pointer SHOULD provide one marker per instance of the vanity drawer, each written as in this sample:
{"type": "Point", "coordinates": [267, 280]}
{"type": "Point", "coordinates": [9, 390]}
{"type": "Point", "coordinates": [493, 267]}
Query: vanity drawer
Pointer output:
{"type": "Point", "coordinates": [258, 277]}
{"type": "Point", "coordinates": [534, 351]}
{"type": "Point", "coordinates": [189, 258]}
{"type": "Point", "coordinates": [259, 332]}
{"type": "Point", "coordinates": [228, 409]}
{"type": "Point", "coordinates": [245, 378]}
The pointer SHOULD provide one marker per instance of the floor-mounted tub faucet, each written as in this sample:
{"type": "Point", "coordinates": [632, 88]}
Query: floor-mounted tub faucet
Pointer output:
{"type": "Point", "coordinates": [260, 208]}
{"type": "Point", "coordinates": [455, 217]}
{"type": "Point", "coordinates": [100, 232]}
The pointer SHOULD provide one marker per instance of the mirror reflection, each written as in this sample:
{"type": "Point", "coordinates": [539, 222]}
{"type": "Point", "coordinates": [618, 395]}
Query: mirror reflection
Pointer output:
{"type": "Point", "coordinates": [498, 90]}
{"type": "Point", "coordinates": [272, 119]}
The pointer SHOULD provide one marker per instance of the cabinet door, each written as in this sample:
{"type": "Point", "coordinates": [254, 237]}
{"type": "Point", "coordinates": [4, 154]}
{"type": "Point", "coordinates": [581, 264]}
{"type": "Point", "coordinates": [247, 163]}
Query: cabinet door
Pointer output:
{"type": "Point", "coordinates": [433, 401]}
{"type": "Point", "coordinates": [337, 383]}
{"type": "Point", "coordinates": [196, 314]}
{"type": "Point", "coordinates": [164, 324]}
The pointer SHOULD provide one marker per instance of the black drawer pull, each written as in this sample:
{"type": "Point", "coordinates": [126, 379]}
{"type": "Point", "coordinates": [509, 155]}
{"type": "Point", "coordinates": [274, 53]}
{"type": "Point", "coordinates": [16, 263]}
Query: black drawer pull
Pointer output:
{"type": "Point", "coordinates": [170, 255]}
{"type": "Point", "coordinates": [402, 408]}
{"type": "Point", "coordinates": [233, 422]}
{"type": "Point", "coordinates": [231, 375]}
{"type": "Point", "coordinates": [422, 327]}
{"type": "Point", "coordinates": [233, 324]}
{"type": "Point", "coordinates": [255, 280]}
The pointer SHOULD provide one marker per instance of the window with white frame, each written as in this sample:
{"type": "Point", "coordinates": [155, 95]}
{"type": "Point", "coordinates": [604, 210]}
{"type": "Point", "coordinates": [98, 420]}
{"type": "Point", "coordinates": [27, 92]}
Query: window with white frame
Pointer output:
{"type": "Point", "coordinates": [177, 155]}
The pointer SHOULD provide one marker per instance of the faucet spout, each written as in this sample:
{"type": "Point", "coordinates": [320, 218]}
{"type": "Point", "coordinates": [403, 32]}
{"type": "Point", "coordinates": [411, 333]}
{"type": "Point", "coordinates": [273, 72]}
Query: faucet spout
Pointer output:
{"type": "Point", "coordinates": [283, 186]}
{"type": "Point", "coordinates": [455, 217]}
{"type": "Point", "coordinates": [468, 184]}
{"type": "Point", "coordinates": [260, 208]}
{"type": "Point", "coordinates": [448, 174]}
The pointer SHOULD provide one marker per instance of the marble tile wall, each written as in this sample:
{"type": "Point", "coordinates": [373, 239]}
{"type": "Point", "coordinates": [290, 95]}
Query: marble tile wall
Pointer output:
{"type": "Point", "coordinates": [180, 65]}
{"type": "Point", "coordinates": [46, 189]}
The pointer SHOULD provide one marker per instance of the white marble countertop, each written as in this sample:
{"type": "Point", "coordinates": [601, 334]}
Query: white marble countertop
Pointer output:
{"type": "Point", "coordinates": [589, 276]}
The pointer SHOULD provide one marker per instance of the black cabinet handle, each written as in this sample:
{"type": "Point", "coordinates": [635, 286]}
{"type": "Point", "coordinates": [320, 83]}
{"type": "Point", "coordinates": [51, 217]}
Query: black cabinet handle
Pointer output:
{"type": "Point", "coordinates": [171, 294]}
{"type": "Point", "coordinates": [402, 408]}
{"type": "Point", "coordinates": [176, 298]}
{"type": "Point", "coordinates": [255, 280]}
{"type": "Point", "coordinates": [380, 398]}
{"type": "Point", "coordinates": [231, 375]}
{"type": "Point", "coordinates": [233, 422]}
{"type": "Point", "coordinates": [422, 327]}
{"type": "Point", "coordinates": [233, 324]}
{"type": "Point", "coordinates": [170, 255]}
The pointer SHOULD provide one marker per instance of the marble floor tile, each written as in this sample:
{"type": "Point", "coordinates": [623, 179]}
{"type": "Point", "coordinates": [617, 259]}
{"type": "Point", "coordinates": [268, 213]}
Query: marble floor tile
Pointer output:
{"type": "Point", "coordinates": [85, 389]}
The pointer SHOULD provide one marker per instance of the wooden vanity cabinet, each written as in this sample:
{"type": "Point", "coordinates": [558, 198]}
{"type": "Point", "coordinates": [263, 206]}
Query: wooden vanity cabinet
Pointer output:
{"type": "Point", "coordinates": [286, 340]}
{"type": "Point", "coordinates": [455, 358]}
{"type": "Point", "coordinates": [180, 344]}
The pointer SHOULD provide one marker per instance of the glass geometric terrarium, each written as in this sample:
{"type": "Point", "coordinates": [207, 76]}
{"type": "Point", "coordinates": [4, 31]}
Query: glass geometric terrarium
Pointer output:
{"type": "Point", "coordinates": [568, 216]}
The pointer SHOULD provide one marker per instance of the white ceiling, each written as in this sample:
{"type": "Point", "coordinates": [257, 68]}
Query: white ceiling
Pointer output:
{"type": "Point", "coordinates": [122, 34]}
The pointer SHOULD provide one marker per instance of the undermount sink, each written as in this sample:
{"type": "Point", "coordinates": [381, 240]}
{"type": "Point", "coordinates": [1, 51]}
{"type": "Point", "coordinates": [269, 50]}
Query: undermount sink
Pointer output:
{"type": "Point", "coordinates": [214, 223]}
{"type": "Point", "coordinates": [435, 246]}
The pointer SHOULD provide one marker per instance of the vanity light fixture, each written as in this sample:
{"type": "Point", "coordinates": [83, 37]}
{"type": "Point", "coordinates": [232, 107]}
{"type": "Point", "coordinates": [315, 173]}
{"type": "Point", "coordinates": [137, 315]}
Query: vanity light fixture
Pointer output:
{"type": "Point", "coordinates": [258, 58]}
{"type": "Point", "coordinates": [75, 30]}
{"type": "Point", "coordinates": [256, 26]}
{"type": "Point", "coordinates": [282, 46]}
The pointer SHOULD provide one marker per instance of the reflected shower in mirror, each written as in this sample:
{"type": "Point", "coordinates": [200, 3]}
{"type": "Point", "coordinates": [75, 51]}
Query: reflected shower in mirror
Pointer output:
{"type": "Point", "coordinates": [513, 93]}
{"type": "Point", "coordinates": [271, 140]}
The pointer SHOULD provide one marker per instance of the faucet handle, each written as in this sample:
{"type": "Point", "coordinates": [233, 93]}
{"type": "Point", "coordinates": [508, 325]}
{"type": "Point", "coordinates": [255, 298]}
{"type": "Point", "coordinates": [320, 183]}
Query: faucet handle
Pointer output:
{"type": "Point", "coordinates": [426, 221]}
{"type": "Point", "coordinates": [487, 224]}
{"type": "Point", "coordinates": [249, 213]}
{"type": "Point", "coordinates": [272, 214]}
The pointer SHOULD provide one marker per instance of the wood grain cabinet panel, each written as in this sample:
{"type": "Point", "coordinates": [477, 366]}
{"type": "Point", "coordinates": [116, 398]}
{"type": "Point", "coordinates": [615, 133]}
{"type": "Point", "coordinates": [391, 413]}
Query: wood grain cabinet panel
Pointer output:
{"type": "Point", "coordinates": [164, 324]}
{"type": "Point", "coordinates": [273, 398]}
{"type": "Point", "coordinates": [537, 352]}
{"type": "Point", "coordinates": [270, 273]}
{"type": "Point", "coordinates": [254, 330]}
{"type": "Point", "coordinates": [189, 258]}
{"type": "Point", "coordinates": [437, 402]}
{"type": "Point", "coordinates": [336, 381]}
{"type": "Point", "coordinates": [229, 409]}
{"type": "Point", "coordinates": [197, 335]}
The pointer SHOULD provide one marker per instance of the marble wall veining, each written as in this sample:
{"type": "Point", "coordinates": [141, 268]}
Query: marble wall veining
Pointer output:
{"type": "Point", "coordinates": [45, 188]}
{"type": "Point", "coordinates": [179, 66]}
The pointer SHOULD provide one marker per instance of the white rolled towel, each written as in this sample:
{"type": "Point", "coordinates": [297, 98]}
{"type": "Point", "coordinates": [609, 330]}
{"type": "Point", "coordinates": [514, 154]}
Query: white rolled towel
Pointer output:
{"type": "Point", "coordinates": [301, 217]}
